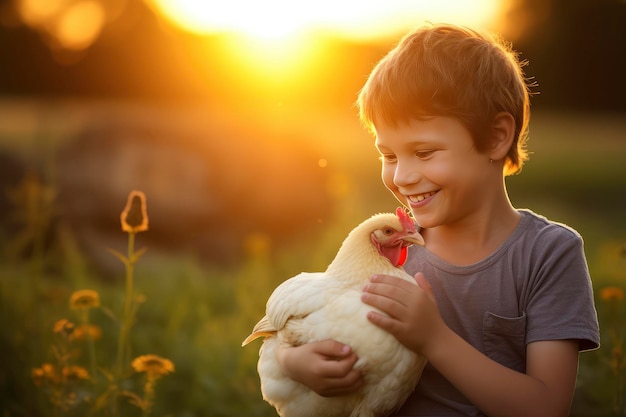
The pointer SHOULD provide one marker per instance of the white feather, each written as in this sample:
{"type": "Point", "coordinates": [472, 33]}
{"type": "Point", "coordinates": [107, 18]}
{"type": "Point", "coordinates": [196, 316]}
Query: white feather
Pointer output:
{"type": "Point", "coordinates": [316, 306]}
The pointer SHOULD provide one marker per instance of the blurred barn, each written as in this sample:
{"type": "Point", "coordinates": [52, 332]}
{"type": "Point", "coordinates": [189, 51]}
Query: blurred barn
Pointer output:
{"type": "Point", "coordinates": [210, 183]}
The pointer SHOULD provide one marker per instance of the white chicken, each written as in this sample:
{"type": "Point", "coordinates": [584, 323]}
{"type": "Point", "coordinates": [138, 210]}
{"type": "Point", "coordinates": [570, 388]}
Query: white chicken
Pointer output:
{"type": "Point", "coordinates": [327, 305]}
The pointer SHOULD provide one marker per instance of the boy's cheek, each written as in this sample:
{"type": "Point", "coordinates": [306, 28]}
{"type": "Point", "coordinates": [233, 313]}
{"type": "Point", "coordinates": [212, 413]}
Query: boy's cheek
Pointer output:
{"type": "Point", "coordinates": [398, 196]}
{"type": "Point", "coordinates": [388, 182]}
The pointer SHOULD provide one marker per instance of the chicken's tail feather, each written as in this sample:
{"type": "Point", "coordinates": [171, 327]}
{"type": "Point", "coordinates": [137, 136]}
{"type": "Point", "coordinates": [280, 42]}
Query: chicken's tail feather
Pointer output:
{"type": "Point", "coordinates": [262, 329]}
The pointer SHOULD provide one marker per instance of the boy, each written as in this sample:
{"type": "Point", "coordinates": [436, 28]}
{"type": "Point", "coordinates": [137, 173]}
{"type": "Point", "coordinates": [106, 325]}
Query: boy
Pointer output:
{"type": "Point", "coordinates": [504, 301]}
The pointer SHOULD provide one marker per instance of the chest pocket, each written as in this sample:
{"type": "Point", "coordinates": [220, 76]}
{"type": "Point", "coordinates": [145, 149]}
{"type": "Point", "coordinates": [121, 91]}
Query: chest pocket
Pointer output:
{"type": "Point", "coordinates": [504, 340]}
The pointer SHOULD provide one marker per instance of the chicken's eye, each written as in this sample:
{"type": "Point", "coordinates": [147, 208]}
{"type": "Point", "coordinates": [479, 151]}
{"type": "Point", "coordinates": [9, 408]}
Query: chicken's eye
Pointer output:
{"type": "Point", "coordinates": [388, 231]}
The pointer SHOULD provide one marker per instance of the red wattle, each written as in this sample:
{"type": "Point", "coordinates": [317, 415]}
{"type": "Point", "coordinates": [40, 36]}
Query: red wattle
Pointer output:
{"type": "Point", "coordinates": [404, 254]}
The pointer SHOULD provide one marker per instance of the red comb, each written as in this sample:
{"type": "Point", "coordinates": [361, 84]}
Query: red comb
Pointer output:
{"type": "Point", "coordinates": [405, 220]}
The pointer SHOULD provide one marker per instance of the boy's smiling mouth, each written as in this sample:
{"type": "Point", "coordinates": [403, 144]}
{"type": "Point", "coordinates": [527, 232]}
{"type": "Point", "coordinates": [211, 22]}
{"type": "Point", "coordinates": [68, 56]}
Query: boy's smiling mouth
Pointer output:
{"type": "Point", "coordinates": [416, 198]}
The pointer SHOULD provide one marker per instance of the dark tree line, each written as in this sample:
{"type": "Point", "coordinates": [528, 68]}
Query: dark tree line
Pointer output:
{"type": "Point", "coordinates": [576, 50]}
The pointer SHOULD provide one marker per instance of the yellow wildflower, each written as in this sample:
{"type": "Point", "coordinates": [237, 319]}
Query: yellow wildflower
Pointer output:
{"type": "Point", "coordinates": [86, 332]}
{"type": "Point", "coordinates": [134, 218]}
{"type": "Point", "coordinates": [75, 373]}
{"type": "Point", "coordinates": [257, 244]}
{"type": "Point", "coordinates": [612, 294]}
{"type": "Point", "coordinates": [84, 299]}
{"type": "Point", "coordinates": [64, 327]}
{"type": "Point", "coordinates": [153, 365]}
{"type": "Point", "coordinates": [47, 373]}
{"type": "Point", "coordinates": [38, 376]}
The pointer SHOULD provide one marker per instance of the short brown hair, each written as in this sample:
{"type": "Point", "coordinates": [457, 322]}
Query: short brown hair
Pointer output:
{"type": "Point", "coordinates": [447, 70]}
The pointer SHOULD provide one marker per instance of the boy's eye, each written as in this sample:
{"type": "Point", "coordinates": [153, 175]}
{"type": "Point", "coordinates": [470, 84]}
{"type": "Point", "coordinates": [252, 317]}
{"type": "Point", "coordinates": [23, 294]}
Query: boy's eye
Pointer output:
{"type": "Point", "coordinates": [424, 154]}
{"type": "Point", "coordinates": [388, 158]}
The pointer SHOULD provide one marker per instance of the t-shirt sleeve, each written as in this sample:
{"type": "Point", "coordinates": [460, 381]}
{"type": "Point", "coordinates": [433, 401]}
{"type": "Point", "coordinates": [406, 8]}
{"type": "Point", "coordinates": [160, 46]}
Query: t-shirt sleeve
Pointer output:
{"type": "Point", "coordinates": [559, 300]}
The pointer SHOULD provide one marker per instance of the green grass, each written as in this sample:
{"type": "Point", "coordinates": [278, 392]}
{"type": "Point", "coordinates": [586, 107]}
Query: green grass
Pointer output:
{"type": "Point", "coordinates": [197, 314]}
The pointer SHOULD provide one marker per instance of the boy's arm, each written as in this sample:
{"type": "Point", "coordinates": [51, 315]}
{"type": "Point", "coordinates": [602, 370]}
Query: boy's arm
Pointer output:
{"type": "Point", "coordinates": [325, 367]}
{"type": "Point", "coordinates": [546, 389]}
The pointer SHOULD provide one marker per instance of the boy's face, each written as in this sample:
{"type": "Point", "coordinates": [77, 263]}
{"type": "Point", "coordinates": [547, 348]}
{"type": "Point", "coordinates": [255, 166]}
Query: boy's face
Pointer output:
{"type": "Point", "coordinates": [432, 167]}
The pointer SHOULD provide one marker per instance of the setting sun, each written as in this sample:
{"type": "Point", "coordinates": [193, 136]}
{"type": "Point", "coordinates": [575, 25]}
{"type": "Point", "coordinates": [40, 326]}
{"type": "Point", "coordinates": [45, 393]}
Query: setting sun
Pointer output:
{"type": "Point", "coordinates": [354, 19]}
{"type": "Point", "coordinates": [282, 37]}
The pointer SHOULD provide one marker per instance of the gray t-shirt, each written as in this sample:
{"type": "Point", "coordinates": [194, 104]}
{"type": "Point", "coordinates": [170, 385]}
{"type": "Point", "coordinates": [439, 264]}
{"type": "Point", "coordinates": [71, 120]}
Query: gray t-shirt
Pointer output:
{"type": "Point", "coordinates": [536, 286]}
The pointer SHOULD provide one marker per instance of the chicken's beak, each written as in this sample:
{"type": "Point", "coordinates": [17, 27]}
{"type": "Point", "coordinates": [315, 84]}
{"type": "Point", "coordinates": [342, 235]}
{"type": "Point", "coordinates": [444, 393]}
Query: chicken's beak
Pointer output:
{"type": "Point", "coordinates": [414, 238]}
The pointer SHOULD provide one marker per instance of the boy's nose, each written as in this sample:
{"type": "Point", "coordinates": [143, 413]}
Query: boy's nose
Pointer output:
{"type": "Point", "coordinates": [406, 175]}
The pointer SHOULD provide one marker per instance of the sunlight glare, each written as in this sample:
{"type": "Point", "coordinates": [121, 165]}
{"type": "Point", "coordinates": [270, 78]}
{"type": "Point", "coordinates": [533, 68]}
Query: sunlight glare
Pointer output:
{"type": "Point", "coordinates": [281, 38]}
{"type": "Point", "coordinates": [365, 19]}
{"type": "Point", "coordinates": [271, 53]}
{"type": "Point", "coordinates": [38, 12]}
{"type": "Point", "coordinates": [80, 25]}
{"type": "Point", "coordinates": [267, 19]}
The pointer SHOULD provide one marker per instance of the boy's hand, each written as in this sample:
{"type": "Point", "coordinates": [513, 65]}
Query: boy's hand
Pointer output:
{"type": "Point", "coordinates": [412, 313]}
{"type": "Point", "coordinates": [325, 367]}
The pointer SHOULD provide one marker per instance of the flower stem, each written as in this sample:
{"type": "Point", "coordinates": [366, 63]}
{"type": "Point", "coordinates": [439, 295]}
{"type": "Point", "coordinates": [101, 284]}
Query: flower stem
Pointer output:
{"type": "Point", "coordinates": [123, 349]}
{"type": "Point", "coordinates": [148, 396]}
{"type": "Point", "coordinates": [90, 344]}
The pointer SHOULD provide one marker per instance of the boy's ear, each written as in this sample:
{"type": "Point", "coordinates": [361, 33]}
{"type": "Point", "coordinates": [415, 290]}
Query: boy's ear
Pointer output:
{"type": "Point", "coordinates": [503, 133]}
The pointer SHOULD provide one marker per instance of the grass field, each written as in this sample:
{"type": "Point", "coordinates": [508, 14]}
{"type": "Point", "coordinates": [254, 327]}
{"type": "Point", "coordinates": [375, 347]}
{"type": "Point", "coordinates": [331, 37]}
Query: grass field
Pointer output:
{"type": "Point", "coordinates": [196, 314]}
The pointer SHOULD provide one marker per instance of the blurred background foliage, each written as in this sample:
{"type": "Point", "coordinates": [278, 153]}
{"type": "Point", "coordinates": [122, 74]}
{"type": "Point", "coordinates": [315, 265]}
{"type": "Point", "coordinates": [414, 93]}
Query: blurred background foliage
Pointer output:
{"type": "Point", "coordinates": [237, 121]}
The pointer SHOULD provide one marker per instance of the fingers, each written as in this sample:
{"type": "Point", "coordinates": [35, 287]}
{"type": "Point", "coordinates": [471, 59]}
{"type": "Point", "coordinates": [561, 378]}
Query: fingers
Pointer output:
{"type": "Point", "coordinates": [337, 359]}
{"type": "Point", "coordinates": [395, 298]}
{"type": "Point", "coordinates": [332, 349]}
{"type": "Point", "coordinates": [407, 311]}
{"type": "Point", "coordinates": [334, 387]}
{"type": "Point", "coordinates": [384, 322]}
{"type": "Point", "coordinates": [384, 302]}
{"type": "Point", "coordinates": [389, 294]}
{"type": "Point", "coordinates": [335, 375]}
